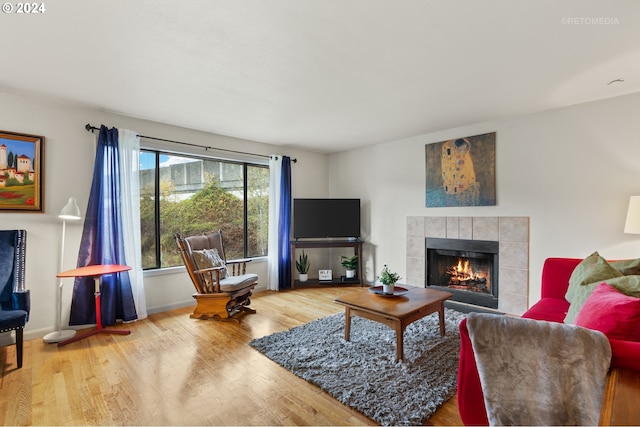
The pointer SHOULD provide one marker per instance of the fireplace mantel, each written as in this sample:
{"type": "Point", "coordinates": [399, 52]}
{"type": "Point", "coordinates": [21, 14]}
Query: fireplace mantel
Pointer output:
{"type": "Point", "coordinates": [512, 233]}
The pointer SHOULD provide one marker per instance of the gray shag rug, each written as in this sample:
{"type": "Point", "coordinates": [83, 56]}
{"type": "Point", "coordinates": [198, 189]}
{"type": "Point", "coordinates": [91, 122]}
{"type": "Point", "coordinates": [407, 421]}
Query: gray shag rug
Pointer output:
{"type": "Point", "coordinates": [363, 373]}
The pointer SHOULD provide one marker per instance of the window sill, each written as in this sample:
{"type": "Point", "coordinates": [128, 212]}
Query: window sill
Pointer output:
{"type": "Point", "coordinates": [182, 269]}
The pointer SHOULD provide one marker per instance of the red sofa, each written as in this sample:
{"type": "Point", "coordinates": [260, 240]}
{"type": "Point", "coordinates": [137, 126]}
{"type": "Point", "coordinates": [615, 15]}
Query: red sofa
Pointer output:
{"type": "Point", "coordinates": [552, 307]}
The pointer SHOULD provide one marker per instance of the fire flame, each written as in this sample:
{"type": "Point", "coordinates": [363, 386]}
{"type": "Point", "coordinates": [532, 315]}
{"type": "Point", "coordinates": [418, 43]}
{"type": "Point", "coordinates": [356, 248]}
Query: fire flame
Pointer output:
{"type": "Point", "coordinates": [462, 271]}
{"type": "Point", "coordinates": [461, 274]}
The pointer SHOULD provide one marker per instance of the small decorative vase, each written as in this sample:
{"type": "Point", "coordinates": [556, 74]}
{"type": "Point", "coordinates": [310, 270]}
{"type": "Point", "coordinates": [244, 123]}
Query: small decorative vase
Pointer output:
{"type": "Point", "coordinates": [387, 289]}
{"type": "Point", "coordinates": [303, 277]}
{"type": "Point", "coordinates": [351, 274]}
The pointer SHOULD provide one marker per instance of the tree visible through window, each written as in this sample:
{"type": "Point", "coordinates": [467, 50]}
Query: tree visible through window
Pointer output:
{"type": "Point", "coordinates": [191, 195]}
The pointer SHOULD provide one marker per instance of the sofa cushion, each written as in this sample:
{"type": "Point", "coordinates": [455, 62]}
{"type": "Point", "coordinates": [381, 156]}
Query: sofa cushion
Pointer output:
{"type": "Point", "coordinates": [611, 312]}
{"type": "Point", "coordinates": [550, 309]}
{"type": "Point", "coordinates": [629, 285]}
{"type": "Point", "coordinates": [584, 278]}
{"type": "Point", "coordinates": [208, 258]}
{"type": "Point", "coordinates": [12, 319]}
{"type": "Point", "coordinates": [236, 283]}
{"type": "Point", "coordinates": [592, 269]}
{"type": "Point", "coordinates": [628, 267]}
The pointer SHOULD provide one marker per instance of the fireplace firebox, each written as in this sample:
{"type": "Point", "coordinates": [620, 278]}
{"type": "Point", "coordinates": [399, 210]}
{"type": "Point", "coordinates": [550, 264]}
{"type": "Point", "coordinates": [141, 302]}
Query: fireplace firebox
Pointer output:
{"type": "Point", "coordinates": [466, 268]}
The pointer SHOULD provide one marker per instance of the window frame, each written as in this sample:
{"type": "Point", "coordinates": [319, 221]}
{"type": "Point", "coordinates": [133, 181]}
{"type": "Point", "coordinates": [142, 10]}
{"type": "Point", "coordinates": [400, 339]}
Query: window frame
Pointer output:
{"type": "Point", "coordinates": [245, 160]}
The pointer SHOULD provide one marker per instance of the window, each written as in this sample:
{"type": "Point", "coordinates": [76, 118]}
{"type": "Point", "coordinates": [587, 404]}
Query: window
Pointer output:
{"type": "Point", "coordinates": [191, 195]}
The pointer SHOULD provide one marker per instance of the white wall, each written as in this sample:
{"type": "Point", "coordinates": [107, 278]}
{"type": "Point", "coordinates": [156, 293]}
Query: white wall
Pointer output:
{"type": "Point", "coordinates": [68, 164]}
{"type": "Point", "coordinates": [570, 170]}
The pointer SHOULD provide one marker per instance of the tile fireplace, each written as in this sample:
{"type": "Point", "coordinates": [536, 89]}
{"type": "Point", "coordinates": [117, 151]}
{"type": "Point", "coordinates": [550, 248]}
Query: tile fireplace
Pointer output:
{"type": "Point", "coordinates": [512, 236]}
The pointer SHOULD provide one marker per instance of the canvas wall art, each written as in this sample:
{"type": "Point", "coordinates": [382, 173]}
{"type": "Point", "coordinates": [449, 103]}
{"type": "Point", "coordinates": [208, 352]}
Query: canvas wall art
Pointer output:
{"type": "Point", "coordinates": [461, 172]}
{"type": "Point", "coordinates": [21, 172]}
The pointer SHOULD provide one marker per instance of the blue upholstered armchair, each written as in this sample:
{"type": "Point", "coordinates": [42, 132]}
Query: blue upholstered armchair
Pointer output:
{"type": "Point", "coordinates": [14, 298]}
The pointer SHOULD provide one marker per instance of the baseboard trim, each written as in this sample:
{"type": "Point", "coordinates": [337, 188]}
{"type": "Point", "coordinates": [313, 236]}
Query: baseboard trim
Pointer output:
{"type": "Point", "coordinates": [168, 307]}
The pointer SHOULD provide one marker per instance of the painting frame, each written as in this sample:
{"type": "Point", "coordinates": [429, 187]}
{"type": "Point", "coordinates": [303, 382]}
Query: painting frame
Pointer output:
{"type": "Point", "coordinates": [21, 172]}
{"type": "Point", "coordinates": [461, 172]}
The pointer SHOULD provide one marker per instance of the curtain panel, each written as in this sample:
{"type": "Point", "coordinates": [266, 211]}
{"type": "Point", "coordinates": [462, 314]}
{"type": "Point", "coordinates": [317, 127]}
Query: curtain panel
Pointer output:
{"type": "Point", "coordinates": [279, 222]}
{"type": "Point", "coordinates": [103, 241]}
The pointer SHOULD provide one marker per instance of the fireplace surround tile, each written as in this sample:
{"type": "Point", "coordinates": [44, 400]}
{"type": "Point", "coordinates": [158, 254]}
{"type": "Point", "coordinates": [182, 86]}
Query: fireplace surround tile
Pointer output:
{"type": "Point", "coordinates": [435, 226]}
{"type": "Point", "coordinates": [485, 228]}
{"type": "Point", "coordinates": [466, 228]}
{"type": "Point", "coordinates": [415, 247]}
{"type": "Point", "coordinates": [512, 303]}
{"type": "Point", "coordinates": [415, 226]}
{"type": "Point", "coordinates": [513, 281]}
{"type": "Point", "coordinates": [453, 228]}
{"type": "Point", "coordinates": [416, 271]}
{"type": "Point", "coordinates": [512, 233]}
{"type": "Point", "coordinates": [514, 229]}
{"type": "Point", "coordinates": [514, 255]}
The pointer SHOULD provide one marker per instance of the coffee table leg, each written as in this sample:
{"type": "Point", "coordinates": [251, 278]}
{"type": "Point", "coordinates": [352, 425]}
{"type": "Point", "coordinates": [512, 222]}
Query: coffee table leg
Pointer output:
{"type": "Point", "coordinates": [441, 317]}
{"type": "Point", "coordinates": [399, 341]}
{"type": "Point", "coordinates": [347, 324]}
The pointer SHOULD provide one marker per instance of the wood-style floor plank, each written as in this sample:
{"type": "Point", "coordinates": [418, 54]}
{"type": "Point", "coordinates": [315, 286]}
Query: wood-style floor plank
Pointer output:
{"type": "Point", "coordinates": [174, 370]}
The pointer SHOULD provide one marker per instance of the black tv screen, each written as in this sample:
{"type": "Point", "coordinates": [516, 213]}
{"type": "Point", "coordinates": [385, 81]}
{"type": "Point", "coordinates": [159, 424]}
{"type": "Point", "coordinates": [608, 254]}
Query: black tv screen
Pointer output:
{"type": "Point", "coordinates": [321, 218]}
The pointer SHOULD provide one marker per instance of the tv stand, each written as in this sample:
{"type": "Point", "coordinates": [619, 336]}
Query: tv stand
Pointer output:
{"type": "Point", "coordinates": [336, 281]}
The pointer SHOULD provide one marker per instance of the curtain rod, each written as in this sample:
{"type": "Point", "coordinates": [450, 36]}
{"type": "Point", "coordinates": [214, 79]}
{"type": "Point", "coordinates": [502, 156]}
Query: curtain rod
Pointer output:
{"type": "Point", "coordinates": [91, 128]}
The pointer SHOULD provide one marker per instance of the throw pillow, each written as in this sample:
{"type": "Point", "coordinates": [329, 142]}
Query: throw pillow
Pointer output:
{"type": "Point", "coordinates": [592, 269]}
{"type": "Point", "coordinates": [208, 258]}
{"type": "Point", "coordinates": [628, 267]}
{"type": "Point", "coordinates": [580, 296]}
{"type": "Point", "coordinates": [629, 285]}
{"type": "Point", "coordinates": [611, 312]}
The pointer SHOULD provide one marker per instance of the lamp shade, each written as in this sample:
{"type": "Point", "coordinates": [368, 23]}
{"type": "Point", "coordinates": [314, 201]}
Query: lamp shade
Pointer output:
{"type": "Point", "coordinates": [632, 226]}
{"type": "Point", "coordinates": [71, 211]}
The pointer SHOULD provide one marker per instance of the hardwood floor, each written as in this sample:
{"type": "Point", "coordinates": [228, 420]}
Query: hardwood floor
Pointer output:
{"type": "Point", "coordinates": [173, 370]}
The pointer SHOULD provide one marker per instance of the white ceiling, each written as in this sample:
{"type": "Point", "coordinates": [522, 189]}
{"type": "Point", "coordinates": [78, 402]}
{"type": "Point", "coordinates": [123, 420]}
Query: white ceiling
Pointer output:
{"type": "Point", "coordinates": [325, 75]}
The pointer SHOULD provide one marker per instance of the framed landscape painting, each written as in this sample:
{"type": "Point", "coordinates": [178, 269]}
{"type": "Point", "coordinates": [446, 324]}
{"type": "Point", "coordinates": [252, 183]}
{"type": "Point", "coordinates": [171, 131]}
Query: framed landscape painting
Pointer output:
{"type": "Point", "coordinates": [461, 172]}
{"type": "Point", "coordinates": [21, 172]}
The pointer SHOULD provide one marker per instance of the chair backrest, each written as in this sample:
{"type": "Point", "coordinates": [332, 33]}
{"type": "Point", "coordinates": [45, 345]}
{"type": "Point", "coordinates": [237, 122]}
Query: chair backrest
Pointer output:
{"type": "Point", "coordinates": [187, 245]}
{"type": "Point", "coordinates": [12, 264]}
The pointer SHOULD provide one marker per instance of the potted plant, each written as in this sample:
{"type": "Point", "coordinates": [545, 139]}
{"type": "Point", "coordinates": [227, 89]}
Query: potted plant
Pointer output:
{"type": "Point", "coordinates": [350, 264]}
{"type": "Point", "coordinates": [388, 280]}
{"type": "Point", "coordinates": [302, 265]}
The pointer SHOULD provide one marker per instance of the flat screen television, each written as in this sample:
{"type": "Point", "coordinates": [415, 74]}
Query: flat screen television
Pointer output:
{"type": "Point", "coordinates": [322, 218]}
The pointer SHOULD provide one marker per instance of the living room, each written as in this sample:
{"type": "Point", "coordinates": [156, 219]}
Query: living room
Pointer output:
{"type": "Point", "coordinates": [568, 165]}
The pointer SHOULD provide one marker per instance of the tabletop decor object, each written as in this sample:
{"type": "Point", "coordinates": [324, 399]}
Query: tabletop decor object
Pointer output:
{"type": "Point", "coordinates": [388, 279]}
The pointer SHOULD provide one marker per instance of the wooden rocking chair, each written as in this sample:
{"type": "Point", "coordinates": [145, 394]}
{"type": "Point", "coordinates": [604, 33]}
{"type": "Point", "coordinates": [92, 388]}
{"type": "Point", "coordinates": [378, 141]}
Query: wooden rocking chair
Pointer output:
{"type": "Point", "coordinates": [222, 288]}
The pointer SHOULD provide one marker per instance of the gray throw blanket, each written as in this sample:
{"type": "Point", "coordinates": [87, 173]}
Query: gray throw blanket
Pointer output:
{"type": "Point", "coordinates": [539, 373]}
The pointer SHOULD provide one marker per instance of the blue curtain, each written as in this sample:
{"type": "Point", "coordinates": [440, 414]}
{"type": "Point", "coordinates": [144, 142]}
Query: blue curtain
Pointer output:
{"type": "Point", "coordinates": [284, 226]}
{"type": "Point", "coordinates": [102, 242]}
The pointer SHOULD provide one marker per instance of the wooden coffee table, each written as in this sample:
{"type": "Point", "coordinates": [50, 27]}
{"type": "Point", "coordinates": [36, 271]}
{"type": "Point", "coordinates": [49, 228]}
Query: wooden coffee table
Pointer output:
{"type": "Point", "coordinates": [397, 312]}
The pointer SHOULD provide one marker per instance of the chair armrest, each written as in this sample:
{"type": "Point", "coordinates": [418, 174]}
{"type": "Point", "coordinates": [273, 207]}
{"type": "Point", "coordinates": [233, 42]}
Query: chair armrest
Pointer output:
{"type": "Point", "coordinates": [214, 274]}
{"type": "Point", "coordinates": [238, 266]}
{"type": "Point", "coordinates": [207, 270]}
{"type": "Point", "coordinates": [469, 394]}
{"type": "Point", "coordinates": [22, 301]}
{"type": "Point", "coordinates": [239, 261]}
{"type": "Point", "coordinates": [625, 354]}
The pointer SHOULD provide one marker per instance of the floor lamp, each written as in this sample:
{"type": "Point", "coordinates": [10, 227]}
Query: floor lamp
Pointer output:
{"type": "Point", "coordinates": [632, 224]}
{"type": "Point", "coordinates": [70, 212]}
